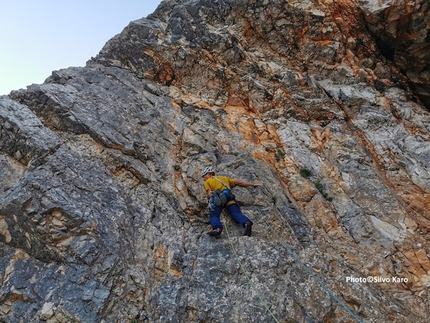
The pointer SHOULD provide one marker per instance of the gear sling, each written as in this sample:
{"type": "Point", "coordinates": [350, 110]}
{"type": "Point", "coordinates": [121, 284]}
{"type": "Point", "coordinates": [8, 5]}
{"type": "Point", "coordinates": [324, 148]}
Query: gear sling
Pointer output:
{"type": "Point", "coordinates": [224, 197]}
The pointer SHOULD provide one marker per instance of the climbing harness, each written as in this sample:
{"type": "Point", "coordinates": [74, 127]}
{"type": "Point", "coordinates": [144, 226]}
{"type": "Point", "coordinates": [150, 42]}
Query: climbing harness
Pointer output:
{"type": "Point", "coordinates": [254, 288]}
{"type": "Point", "coordinates": [309, 270]}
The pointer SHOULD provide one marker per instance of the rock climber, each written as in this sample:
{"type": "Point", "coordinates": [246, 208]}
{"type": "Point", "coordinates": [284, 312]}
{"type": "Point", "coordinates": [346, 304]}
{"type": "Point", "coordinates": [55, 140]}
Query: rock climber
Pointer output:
{"type": "Point", "coordinates": [215, 184]}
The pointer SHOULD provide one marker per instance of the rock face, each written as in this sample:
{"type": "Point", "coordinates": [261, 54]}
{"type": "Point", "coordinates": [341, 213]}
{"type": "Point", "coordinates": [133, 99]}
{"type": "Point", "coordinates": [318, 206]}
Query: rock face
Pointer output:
{"type": "Point", "coordinates": [102, 209]}
{"type": "Point", "coordinates": [402, 29]}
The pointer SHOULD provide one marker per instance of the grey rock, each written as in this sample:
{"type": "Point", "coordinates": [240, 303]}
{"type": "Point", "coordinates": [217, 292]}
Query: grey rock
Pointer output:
{"type": "Point", "coordinates": [102, 209]}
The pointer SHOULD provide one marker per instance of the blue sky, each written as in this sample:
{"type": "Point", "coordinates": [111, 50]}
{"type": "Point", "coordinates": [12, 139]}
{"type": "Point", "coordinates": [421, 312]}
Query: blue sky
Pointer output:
{"type": "Point", "coordinates": [40, 36]}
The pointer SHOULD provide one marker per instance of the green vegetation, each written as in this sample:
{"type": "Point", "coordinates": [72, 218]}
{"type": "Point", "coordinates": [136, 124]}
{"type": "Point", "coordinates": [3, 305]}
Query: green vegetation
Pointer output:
{"type": "Point", "coordinates": [305, 173]}
{"type": "Point", "coordinates": [279, 155]}
{"type": "Point", "coordinates": [320, 188]}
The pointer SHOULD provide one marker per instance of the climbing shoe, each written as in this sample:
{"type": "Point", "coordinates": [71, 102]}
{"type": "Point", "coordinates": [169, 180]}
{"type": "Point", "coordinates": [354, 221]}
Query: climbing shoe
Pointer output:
{"type": "Point", "coordinates": [215, 232]}
{"type": "Point", "coordinates": [248, 228]}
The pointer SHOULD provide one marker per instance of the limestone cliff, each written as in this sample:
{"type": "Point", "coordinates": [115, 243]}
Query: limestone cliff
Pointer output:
{"type": "Point", "coordinates": [102, 209]}
{"type": "Point", "coordinates": [402, 31]}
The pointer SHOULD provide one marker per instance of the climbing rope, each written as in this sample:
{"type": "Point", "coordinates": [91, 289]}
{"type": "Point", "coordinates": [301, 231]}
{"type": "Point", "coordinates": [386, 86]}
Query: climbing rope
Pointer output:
{"type": "Point", "coordinates": [251, 283]}
{"type": "Point", "coordinates": [308, 270]}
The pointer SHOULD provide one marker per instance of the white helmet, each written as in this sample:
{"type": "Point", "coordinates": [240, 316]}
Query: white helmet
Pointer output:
{"type": "Point", "coordinates": [208, 169]}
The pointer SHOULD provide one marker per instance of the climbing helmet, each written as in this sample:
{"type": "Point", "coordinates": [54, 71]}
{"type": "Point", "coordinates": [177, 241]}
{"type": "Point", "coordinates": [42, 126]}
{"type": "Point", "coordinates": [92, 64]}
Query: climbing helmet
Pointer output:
{"type": "Point", "coordinates": [208, 169]}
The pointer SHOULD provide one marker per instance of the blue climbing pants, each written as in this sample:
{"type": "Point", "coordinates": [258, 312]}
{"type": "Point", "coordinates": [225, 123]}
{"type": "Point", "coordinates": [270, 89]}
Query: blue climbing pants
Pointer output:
{"type": "Point", "coordinates": [234, 212]}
